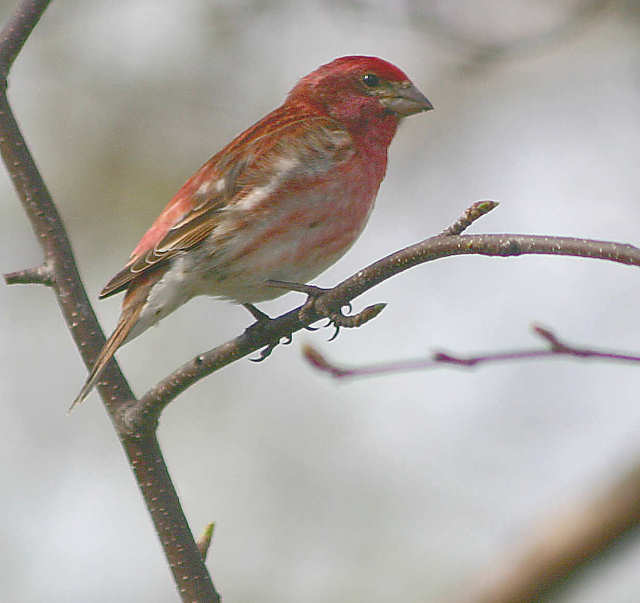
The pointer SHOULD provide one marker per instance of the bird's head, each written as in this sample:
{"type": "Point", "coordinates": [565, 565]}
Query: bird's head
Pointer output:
{"type": "Point", "coordinates": [359, 88]}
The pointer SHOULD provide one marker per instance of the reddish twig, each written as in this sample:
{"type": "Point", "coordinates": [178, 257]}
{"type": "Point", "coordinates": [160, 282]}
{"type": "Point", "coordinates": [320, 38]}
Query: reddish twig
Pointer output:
{"type": "Point", "coordinates": [438, 359]}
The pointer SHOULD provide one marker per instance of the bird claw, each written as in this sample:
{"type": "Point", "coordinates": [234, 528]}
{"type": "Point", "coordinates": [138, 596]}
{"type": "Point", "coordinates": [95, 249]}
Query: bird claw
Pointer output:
{"type": "Point", "coordinates": [339, 319]}
{"type": "Point", "coordinates": [333, 312]}
{"type": "Point", "coordinates": [335, 333]}
{"type": "Point", "coordinates": [265, 352]}
{"type": "Point", "coordinates": [334, 315]}
{"type": "Point", "coordinates": [351, 321]}
{"type": "Point", "coordinates": [262, 320]}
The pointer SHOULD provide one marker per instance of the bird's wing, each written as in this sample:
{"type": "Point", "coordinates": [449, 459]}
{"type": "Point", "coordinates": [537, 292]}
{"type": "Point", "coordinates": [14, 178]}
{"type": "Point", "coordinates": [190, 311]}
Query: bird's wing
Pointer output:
{"type": "Point", "coordinates": [281, 152]}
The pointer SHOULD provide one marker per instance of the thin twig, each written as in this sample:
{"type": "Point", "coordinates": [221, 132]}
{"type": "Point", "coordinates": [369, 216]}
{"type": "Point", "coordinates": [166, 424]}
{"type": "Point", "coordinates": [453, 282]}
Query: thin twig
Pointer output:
{"type": "Point", "coordinates": [473, 213]}
{"type": "Point", "coordinates": [38, 275]}
{"type": "Point", "coordinates": [440, 359]}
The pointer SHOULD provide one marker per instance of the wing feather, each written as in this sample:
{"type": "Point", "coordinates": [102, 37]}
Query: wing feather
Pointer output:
{"type": "Point", "coordinates": [272, 155]}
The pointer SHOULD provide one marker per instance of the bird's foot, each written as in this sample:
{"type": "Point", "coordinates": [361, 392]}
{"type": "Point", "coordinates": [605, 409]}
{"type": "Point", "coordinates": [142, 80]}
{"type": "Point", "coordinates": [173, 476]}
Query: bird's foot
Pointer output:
{"type": "Point", "coordinates": [332, 311]}
{"type": "Point", "coordinates": [263, 320]}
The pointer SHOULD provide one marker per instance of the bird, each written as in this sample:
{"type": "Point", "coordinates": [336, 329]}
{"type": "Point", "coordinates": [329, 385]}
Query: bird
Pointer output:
{"type": "Point", "coordinates": [283, 201]}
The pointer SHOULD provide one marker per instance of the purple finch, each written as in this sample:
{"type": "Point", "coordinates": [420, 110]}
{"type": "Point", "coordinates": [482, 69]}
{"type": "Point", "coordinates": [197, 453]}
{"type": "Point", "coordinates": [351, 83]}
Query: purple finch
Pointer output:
{"type": "Point", "coordinates": [282, 201]}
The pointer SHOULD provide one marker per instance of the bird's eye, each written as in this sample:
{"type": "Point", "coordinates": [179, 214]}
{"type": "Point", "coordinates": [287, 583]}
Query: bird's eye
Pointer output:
{"type": "Point", "coordinates": [370, 79]}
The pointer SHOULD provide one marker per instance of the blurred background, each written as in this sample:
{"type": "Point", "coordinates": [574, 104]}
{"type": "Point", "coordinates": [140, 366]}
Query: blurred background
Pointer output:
{"type": "Point", "coordinates": [412, 487]}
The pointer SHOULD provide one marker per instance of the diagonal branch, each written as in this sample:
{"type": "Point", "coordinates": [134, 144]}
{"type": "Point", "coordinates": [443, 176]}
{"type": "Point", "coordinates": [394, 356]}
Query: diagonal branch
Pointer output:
{"type": "Point", "coordinates": [16, 31]}
{"type": "Point", "coordinates": [190, 573]}
{"type": "Point", "coordinates": [152, 403]}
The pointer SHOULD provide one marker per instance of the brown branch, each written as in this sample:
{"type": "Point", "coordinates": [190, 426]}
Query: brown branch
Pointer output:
{"type": "Point", "coordinates": [38, 275]}
{"type": "Point", "coordinates": [16, 31]}
{"type": "Point", "coordinates": [149, 406]}
{"type": "Point", "coordinates": [439, 359]}
{"type": "Point", "coordinates": [562, 543]}
{"type": "Point", "coordinates": [190, 573]}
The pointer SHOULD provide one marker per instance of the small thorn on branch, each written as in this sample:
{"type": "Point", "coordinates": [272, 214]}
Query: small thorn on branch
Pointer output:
{"type": "Point", "coordinates": [41, 275]}
{"type": "Point", "coordinates": [205, 540]}
{"type": "Point", "coordinates": [471, 214]}
{"type": "Point", "coordinates": [554, 343]}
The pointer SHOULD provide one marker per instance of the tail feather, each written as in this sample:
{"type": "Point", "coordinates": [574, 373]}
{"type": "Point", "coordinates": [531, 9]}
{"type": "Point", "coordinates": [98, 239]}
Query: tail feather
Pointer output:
{"type": "Point", "coordinates": [117, 338]}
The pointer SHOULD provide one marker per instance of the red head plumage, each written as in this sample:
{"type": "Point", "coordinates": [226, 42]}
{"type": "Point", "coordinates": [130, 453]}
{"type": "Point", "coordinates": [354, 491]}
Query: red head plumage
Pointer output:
{"type": "Point", "coordinates": [357, 89]}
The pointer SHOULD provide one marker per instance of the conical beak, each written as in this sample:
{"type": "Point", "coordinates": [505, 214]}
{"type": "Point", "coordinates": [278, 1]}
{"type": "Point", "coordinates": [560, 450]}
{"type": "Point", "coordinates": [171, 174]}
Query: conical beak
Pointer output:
{"type": "Point", "coordinates": [406, 100]}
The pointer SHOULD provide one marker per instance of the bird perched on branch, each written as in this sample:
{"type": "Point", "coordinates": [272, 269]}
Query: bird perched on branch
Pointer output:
{"type": "Point", "coordinates": [282, 201]}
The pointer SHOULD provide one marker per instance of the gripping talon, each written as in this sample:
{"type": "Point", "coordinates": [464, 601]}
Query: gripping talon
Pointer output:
{"type": "Point", "coordinates": [335, 316]}
{"type": "Point", "coordinates": [335, 334]}
{"type": "Point", "coordinates": [264, 353]}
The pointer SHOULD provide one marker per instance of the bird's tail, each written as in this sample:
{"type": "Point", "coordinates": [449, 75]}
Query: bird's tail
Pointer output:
{"type": "Point", "coordinates": [117, 338]}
